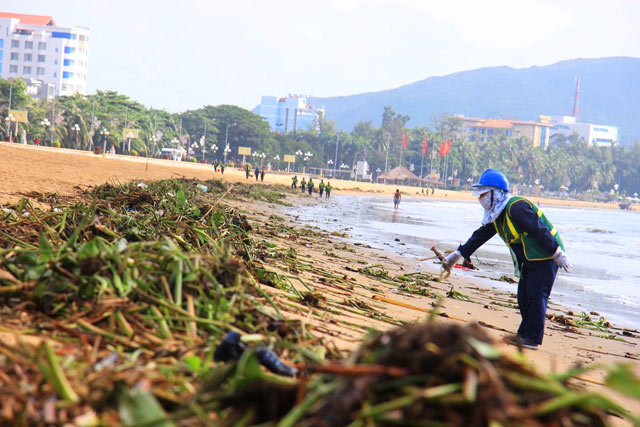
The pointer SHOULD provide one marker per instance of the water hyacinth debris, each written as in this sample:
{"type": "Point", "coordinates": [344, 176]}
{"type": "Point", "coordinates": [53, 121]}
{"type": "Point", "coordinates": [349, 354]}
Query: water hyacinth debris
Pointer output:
{"type": "Point", "coordinates": [113, 303]}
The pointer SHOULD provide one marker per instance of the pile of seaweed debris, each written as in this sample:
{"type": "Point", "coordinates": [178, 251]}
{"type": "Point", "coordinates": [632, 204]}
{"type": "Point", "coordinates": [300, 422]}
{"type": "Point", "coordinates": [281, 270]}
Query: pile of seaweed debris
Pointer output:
{"type": "Point", "coordinates": [112, 302]}
{"type": "Point", "coordinates": [425, 374]}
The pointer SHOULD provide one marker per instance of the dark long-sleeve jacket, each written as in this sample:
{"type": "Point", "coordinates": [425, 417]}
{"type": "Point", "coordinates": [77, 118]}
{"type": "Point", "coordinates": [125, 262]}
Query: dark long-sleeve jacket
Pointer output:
{"type": "Point", "coordinates": [526, 220]}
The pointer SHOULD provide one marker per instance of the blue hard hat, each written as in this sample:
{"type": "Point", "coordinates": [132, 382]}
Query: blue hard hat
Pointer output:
{"type": "Point", "coordinates": [493, 178]}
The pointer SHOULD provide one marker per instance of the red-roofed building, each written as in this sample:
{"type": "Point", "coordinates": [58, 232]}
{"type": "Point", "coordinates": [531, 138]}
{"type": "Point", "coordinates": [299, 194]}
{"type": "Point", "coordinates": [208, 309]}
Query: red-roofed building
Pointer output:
{"type": "Point", "coordinates": [29, 19]}
{"type": "Point", "coordinates": [475, 129]}
{"type": "Point", "coordinates": [51, 59]}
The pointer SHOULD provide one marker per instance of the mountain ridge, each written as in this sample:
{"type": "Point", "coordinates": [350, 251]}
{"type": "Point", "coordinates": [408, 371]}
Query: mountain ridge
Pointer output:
{"type": "Point", "coordinates": [610, 95]}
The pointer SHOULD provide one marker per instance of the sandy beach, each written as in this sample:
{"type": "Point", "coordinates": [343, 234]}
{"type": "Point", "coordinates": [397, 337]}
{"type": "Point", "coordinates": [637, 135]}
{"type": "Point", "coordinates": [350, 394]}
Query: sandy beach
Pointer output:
{"type": "Point", "coordinates": [378, 300]}
{"type": "Point", "coordinates": [24, 173]}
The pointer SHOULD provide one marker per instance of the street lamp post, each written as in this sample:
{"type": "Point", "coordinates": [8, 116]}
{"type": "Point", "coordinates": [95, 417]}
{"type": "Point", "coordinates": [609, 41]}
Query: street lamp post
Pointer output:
{"type": "Point", "coordinates": [276, 158]}
{"type": "Point", "coordinates": [329, 164]}
{"type": "Point", "coordinates": [45, 123]}
{"type": "Point", "coordinates": [10, 119]}
{"type": "Point", "coordinates": [386, 157]}
{"type": "Point", "coordinates": [343, 167]}
{"type": "Point", "coordinates": [335, 161]}
{"type": "Point", "coordinates": [431, 166]}
{"type": "Point", "coordinates": [308, 155]}
{"type": "Point", "coordinates": [226, 141]}
{"type": "Point", "coordinates": [214, 150]}
{"type": "Point", "coordinates": [262, 156]}
{"type": "Point", "coordinates": [203, 145]}
{"type": "Point", "coordinates": [298, 154]}
{"type": "Point", "coordinates": [76, 129]}
{"type": "Point", "coordinates": [154, 139]}
{"type": "Point", "coordinates": [105, 135]}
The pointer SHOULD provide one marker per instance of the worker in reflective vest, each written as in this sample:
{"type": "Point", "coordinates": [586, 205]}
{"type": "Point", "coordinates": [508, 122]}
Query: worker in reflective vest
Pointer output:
{"type": "Point", "coordinates": [536, 248]}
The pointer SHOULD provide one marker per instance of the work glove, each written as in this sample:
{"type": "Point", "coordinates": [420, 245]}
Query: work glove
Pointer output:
{"type": "Point", "coordinates": [562, 260]}
{"type": "Point", "coordinates": [452, 259]}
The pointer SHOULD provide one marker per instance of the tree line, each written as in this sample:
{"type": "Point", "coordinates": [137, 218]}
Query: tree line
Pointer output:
{"type": "Point", "coordinates": [89, 122]}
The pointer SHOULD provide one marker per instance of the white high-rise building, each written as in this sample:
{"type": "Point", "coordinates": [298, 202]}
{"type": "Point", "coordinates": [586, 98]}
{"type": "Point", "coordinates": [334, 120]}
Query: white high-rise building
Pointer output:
{"type": "Point", "coordinates": [291, 113]}
{"type": "Point", "coordinates": [600, 135]}
{"type": "Point", "coordinates": [51, 59]}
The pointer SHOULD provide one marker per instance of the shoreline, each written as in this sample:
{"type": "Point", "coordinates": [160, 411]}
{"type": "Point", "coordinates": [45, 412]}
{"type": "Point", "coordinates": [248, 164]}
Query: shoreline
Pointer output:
{"type": "Point", "coordinates": [158, 168]}
{"type": "Point", "coordinates": [411, 230]}
{"type": "Point", "coordinates": [495, 308]}
{"type": "Point", "coordinates": [354, 282]}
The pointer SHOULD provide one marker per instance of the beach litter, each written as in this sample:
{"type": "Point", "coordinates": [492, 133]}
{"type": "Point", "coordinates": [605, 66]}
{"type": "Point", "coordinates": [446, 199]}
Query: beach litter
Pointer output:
{"type": "Point", "coordinates": [114, 302]}
{"type": "Point", "coordinates": [453, 375]}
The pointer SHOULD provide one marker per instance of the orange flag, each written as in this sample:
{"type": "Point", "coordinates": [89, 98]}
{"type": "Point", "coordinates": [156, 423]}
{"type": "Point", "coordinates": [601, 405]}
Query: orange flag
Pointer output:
{"type": "Point", "coordinates": [424, 146]}
{"type": "Point", "coordinates": [447, 147]}
{"type": "Point", "coordinates": [404, 140]}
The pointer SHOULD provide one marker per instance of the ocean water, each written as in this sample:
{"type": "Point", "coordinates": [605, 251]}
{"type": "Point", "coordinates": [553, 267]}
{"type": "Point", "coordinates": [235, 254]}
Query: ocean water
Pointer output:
{"type": "Point", "coordinates": [603, 245]}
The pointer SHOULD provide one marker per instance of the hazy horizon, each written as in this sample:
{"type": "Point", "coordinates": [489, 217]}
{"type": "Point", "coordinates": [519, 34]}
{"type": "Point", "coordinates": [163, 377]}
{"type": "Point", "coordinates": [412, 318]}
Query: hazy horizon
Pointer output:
{"type": "Point", "coordinates": [203, 53]}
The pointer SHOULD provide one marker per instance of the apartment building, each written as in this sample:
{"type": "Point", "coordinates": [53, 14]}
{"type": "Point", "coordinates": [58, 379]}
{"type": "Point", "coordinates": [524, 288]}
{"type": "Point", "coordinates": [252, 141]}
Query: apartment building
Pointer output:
{"type": "Point", "coordinates": [475, 129]}
{"type": "Point", "coordinates": [593, 134]}
{"type": "Point", "coordinates": [290, 113]}
{"type": "Point", "coordinates": [52, 59]}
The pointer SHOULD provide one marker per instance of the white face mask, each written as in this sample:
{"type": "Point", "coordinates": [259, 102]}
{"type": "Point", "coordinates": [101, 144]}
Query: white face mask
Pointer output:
{"type": "Point", "coordinates": [485, 200]}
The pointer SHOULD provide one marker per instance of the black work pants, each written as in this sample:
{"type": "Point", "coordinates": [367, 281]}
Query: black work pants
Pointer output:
{"type": "Point", "coordinates": [534, 288]}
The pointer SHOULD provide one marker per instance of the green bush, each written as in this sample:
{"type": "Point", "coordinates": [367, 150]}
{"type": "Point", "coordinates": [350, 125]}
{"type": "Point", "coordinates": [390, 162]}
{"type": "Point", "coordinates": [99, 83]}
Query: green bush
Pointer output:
{"type": "Point", "coordinates": [55, 144]}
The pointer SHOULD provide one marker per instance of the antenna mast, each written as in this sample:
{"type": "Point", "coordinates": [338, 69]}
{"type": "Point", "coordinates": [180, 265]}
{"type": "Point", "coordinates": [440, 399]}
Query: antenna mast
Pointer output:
{"type": "Point", "coordinates": [576, 111]}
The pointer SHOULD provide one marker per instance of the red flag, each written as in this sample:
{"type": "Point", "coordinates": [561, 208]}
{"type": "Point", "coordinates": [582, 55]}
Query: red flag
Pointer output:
{"type": "Point", "coordinates": [424, 146]}
{"type": "Point", "coordinates": [447, 147]}
{"type": "Point", "coordinates": [404, 140]}
{"type": "Point", "coordinates": [444, 144]}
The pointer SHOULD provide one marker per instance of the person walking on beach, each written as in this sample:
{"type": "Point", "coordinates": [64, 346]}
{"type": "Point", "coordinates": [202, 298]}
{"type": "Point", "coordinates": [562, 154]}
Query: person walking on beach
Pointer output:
{"type": "Point", "coordinates": [262, 173]}
{"type": "Point", "coordinates": [257, 173]}
{"type": "Point", "coordinates": [320, 188]}
{"type": "Point", "coordinates": [215, 166]}
{"type": "Point", "coordinates": [246, 170]}
{"type": "Point", "coordinates": [396, 199]}
{"type": "Point", "coordinates": [303, 185]}
{"type": "Point", "coordinates": [327, 189]}
{"type": "Point", "coordinates": [294, 182]}
{"type": "Point", "coordinates": [536, 248]}
{"type": "Point", "coordinates": [310, 186]}
{"type": "Point", "coordinates": [222, 166]}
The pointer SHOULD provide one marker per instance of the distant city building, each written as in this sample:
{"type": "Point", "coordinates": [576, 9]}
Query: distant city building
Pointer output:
{"type": "Point", "coordinates": [481, 129]}
{"type": "Point", "coordinates": [601, 135]}
{"type": "Point", "coordinates": [51, 59]}
{"type": "Point", "coordinates": [290, 113]}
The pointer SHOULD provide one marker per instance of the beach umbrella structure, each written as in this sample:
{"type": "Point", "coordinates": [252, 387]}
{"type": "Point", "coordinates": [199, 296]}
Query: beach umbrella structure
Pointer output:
{"type": "Point", "coordinates": [403, 175]}
{"type": "Point", "coordinates": [399, 173]}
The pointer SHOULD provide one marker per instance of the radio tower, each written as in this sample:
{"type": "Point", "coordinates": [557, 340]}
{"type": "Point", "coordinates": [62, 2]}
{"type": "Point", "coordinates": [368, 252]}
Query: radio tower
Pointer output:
{"type": "Point", "coordinates": [576, 111]}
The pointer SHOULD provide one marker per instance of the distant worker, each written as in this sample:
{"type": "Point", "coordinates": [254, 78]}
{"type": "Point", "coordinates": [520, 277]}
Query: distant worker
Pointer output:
{"type": "Point", "coordinates": [303, 185]}
{"type": "Point", "coordinates": [264, 168]}
{"type": "Point", "coordinates": [247, 170]}
{"type": "Point", "coordinates": [396, 199]}
{"type": "Point", "coordinates": [310, 186]}
{"type": "Point", "coordinates": [535, 245]}
{"type": "Point", "coordinates": [294, 183]}
{"type": "Point", "coordinates": [327, 189]}
{"type": "Point", "coordinates": [257, 172]}
{"type": "Point", "coordinates": [222, 166]}
{"type": "Point", "coordinates": [320, 188]}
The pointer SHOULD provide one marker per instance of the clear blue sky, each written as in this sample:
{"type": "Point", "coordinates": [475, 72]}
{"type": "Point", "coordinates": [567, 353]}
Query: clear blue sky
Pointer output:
{"type": "Point", "coordinates": [185, 54]}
